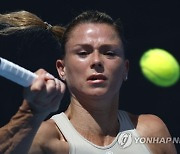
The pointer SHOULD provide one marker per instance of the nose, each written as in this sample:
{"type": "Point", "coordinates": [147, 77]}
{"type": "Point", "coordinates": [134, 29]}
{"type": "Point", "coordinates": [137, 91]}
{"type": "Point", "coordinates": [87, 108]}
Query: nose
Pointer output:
{"type": "Point", "coordinates": [97, 62]}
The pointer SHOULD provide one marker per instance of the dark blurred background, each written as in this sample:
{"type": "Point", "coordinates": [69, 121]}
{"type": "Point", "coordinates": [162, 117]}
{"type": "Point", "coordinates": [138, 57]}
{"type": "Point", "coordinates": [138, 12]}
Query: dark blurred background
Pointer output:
{"type": "Point", "coordinates": [147, 24]}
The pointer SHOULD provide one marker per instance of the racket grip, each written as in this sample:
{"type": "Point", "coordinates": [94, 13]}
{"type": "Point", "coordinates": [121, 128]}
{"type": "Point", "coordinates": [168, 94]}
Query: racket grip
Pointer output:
{"type": "Point", "coordinates": [16, 73]}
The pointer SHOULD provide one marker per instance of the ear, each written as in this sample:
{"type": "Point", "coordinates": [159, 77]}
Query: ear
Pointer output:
{"type": "Point", "coordinates": [61, 69]}
{"type": "Point", "coordinates": [126, 69]}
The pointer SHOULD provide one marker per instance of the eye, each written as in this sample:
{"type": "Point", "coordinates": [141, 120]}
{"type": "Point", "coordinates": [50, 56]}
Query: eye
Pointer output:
{"type": "Point", "coordinates": [110, 53]}
{"type": "Point", "coordinates": [82, 53]}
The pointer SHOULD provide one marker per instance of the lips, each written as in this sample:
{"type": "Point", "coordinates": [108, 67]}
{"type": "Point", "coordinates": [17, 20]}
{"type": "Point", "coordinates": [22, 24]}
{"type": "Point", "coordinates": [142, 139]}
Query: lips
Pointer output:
{"type": "Point", "coordinates": [96, 77]}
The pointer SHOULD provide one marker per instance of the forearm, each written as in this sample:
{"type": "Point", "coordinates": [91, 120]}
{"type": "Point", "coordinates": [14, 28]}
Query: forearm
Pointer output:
{"type": "Point", "coordinates": [17, 135]}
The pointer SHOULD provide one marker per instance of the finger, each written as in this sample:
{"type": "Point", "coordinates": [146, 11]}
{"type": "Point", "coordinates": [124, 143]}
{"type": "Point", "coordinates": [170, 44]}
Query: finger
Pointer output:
{"type": "Point", "coordinates": [31, 92]}
{"type": "Point", "coordinates": [38, 85]}
{"type": "Point", "coordinates": [40, 79]}
{"type": "Point", "coordinates": [62, 86]}
{"type": "Point", "coordinates": [56, 91]}
{"type": "Point", "coordinates": [49, 76]}
{"type": "Point", "coordinates": [40, 72]}
{"type": "Point", "coordinates": [44, 74]}
{"type": "Point", "coordinates": [51, 86]}
{"type": "Point", "coordinates": [58, 86]}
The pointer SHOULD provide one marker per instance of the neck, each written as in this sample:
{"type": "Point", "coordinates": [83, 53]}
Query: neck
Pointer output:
{"type": "Point", "coordinates": [94, 115]}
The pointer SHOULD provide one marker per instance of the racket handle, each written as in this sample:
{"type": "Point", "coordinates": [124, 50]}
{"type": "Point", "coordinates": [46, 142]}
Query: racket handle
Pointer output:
{"type": "Point", "coordinates": [16, 73]}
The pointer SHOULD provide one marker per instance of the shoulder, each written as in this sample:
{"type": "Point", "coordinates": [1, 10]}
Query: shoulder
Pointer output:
{"type": "Point", "coordinates": [151, 126]}
{"type": "Point", "coordinates": [48, 139]}
{"type": "Point", "coordinates": [48, 130]}
{"type": "Point", "coordinates": [148, 124]}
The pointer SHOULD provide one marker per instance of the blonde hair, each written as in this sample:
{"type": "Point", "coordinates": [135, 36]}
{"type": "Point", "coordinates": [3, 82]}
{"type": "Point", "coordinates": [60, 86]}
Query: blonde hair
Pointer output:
{"type": "Point", "coordinates": [20, 20]}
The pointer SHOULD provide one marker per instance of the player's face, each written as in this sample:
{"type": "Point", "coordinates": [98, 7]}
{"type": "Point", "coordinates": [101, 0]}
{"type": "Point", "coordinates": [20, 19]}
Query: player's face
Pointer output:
{"type": "Point", "coordinates": [94, 63]}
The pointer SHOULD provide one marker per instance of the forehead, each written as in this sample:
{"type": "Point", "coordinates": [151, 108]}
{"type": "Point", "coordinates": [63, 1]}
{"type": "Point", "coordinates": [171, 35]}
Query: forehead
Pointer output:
{"type": "Point", "coordinates": [93, 31]}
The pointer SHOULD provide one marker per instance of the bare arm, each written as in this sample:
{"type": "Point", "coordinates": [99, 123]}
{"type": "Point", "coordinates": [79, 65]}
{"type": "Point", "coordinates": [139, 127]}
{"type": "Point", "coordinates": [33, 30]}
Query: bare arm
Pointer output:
{"type": "Point", "coordinates": [153, 126]}
{"type": "Point", "coordinates": [41, 98]}
{"type": "Point", "coordinates": [48, 139]}
{"type": "Point", "coordinates": [17, 135]}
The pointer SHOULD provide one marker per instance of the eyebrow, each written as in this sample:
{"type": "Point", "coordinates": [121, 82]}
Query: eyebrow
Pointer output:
{"type": "Point", "coordinates": [101, 46]}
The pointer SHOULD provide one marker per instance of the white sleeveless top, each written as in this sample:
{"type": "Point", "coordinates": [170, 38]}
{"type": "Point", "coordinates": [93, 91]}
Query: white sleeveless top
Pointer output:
{"type": "Point", "coordinates": [124, 142]}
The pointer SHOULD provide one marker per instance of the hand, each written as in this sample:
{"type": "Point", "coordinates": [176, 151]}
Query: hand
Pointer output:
{"type": "Point", "coordinates": [45, 93]}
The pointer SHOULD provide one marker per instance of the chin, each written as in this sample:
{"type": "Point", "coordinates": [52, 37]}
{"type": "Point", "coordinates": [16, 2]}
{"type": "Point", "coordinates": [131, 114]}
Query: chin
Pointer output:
{"type": "Point", "coordinates": [97, 93]}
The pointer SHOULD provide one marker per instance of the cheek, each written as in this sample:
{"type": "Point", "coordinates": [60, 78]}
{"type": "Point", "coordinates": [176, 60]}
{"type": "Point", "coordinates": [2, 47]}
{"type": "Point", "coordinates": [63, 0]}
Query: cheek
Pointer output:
{"type": "Point", "coordinates": [75, 71]}
{"type": "Point", "coordinates": [116, 72]}
{"type": "Point", "coordinates": [75, 67]}
{"type": "Point", "coordinates": [116, 69]}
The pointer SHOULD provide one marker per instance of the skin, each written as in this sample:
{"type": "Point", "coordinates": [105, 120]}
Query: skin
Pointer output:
{"type": "Point", "coordinates": [40, 99]}
{"type": "Point", "coordinates": [91, 49]}
{"type": "Point", "coordinates": [96, 50]}
{"type": "Point", "coordinates": [93, 105]}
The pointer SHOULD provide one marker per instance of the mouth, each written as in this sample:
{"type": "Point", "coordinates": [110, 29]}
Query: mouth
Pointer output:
{"type": "Point", "coordinates": [96, 78]}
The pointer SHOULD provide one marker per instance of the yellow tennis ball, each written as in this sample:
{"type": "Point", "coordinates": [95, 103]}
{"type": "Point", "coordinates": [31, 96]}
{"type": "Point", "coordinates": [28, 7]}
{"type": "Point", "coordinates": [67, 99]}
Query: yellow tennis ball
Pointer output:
{"type": "Point", "coordinates": [160, 67]}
